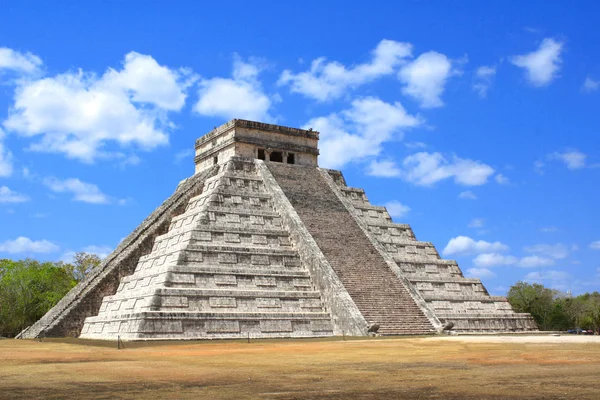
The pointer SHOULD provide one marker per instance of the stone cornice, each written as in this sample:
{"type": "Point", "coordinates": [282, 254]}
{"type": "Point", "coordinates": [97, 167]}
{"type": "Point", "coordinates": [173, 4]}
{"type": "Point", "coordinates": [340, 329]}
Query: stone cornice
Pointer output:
{"type": "Point", "coordinates": [242, 123]}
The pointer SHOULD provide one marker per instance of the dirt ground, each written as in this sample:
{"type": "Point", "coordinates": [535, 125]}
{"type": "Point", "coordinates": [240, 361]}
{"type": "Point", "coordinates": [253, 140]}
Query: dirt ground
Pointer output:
{"type": "Point", "coordinates": [457, 367]}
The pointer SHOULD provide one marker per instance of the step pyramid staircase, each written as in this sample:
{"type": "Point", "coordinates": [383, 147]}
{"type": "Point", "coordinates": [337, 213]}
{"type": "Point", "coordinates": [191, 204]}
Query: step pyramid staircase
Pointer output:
{"type": "Point", "coordinates": [262, 243]}
{"type": "Point", "coordinates": [449, 295]}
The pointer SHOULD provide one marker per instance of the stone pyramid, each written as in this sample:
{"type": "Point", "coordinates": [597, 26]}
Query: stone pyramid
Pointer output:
{"type": "Point", "coordinates": [262, 243]}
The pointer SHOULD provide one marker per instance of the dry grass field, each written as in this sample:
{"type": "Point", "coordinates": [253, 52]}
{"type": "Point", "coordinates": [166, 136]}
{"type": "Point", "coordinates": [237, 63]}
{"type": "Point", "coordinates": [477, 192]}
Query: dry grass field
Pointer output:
{"type": "Point", "coordinates": [463, 367]}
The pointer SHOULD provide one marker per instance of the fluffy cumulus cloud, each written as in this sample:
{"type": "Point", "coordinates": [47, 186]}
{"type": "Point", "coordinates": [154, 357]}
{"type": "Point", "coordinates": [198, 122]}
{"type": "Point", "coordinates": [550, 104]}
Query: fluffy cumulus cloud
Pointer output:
{"type": "Point", "coordinates": [79, 114]}
{"type": "Point", "coordinates": [426, 169]}
{"type": "Point", "coordinates": [396, 209]}
{"type": "Point", "coordinates": [241, 96]}
{"type": "Point", "coordinates": [26, 245]}
{"type": "Point", "coordinates": [327, 80]}
{"type": "Point", "coordinates": [483, 79]}
{"type": "Point", "coordinates": [10, 196]}
{"type": "Point", "coordinates": [573, 159]}
{"type": "Point", "coordinates": [493, 260]}
{"type": "Point", "coordinates": [360, 131]}
{"type": "Point", "coordinates": [6, 162]}
{"type": "Point", "coordinates": [501, 179]}
{"type": "Point", "coordinates": [535, 262]}
{"type": "Point", "coordinates": [464, 245]}
{"type": "Point", "coordinates": [542, 65]}
{"type": "Point", "coordinates": [25, 63]}
{"type": "Point", "coordinates": [425, 78]}
{"type": "Point", "coordinates": [81, 191]}
{"type": "Point", "coordinates": [385, 168]}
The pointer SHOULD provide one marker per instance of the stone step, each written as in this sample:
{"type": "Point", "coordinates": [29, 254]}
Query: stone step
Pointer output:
{"type": "Point", "coordinates": [445, 296]}
{"type": "Point", "coordinates": [376, 291]}
{"type": "Point", "coordinates": [213, 325]}
{"type": "Point", "coordinates": [248, 270]}
{"type": "Point", "coordinates": [170, 315]}
{"type": "Point", "coordinates": [203, 292]}
{"type": "Point", "coordinates": [437, 278]}
{"type": "Point", "coordinates": [508, 315]}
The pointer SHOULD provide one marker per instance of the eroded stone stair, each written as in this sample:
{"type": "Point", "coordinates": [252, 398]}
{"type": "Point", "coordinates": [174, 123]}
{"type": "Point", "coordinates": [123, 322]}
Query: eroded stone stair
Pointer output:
{"type": "Point", "coordinates": [378, 293]}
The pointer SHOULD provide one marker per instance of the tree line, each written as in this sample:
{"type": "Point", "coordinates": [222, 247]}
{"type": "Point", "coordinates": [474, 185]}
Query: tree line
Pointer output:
{"type": "Point", "coordinates": [554, 310]}
{"type": "Point", "coordinates": [29, 288]}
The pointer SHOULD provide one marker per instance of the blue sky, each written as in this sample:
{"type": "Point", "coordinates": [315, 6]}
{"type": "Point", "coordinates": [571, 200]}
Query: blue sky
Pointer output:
{"type": "Point", "coordinates": [475, 122]}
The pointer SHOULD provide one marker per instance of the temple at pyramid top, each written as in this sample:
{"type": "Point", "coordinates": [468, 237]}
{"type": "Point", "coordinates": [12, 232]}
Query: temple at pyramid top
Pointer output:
{"type": "Point", "coordinates": [250, 139]}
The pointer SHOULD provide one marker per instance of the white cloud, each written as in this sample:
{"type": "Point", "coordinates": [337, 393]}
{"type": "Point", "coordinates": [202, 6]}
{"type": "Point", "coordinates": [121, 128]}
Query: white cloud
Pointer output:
{"type": "Point", "coordinates": [501, 179]}
{"type": "Point", "coordinates": [483, 79]}
{"type": "Point", "coordinates": [464, 245]}
{"type": "Point", "coordinates": [467, 195]}
{"type": "Point", "coordinates": [385, 168]}
{"type": "Point", "coordinates": [480, 273]}
{"type": "Point", "coordinates": [548, 229]}
{"type": "Point", "coordinates": [557, 251]}
{"type": "Point", "coordinates": [79, 114]}
{"type": "Point", "coordinates": [595, 245]}
{"type": "Point", "coordinates": [493, 259]}
{"type": "Point", "coordinates": [425, 78]}
{"type": "Point", "coordinates": [573, 159]}
{"type": "Point", "coordinates": [329, 80]}
{"type": "Point", "coordinates": [6, 164]}
{"type": "Point", "coordinates": [396, 209]}
{"type": "Point", "coordinates": [9, 196]}
{"type": "Point", "coordinates": [239, 97]}
{"type": "Point", "coordinates": [542, 65]}
{"type": "Point", "coordinates": [426, 169]}
{"type": "Point", "coordinates": [476, 223]}
{"type": "Point", "coordinates": [82, 191]}
{"type": "Point", "coordinates": [359, 132]}
{"type": "Point", "coordinates": [20, 62]}
{"type": "Point", "coordinates": [26, 245]}
{"type": "Point", "coordinates": [590, 85]}
{"type": "Point", "coordinates": [535, 262]}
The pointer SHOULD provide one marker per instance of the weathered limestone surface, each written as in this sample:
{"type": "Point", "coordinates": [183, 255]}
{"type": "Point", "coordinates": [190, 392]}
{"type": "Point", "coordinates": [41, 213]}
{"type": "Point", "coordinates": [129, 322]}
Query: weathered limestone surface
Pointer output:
{"type": "Point", "coordinates": [347, 318]}
{"type": "Point", "coordinates": [440, 283]}
{"type": "Point", "coordinates": [84, 300]}
{"type": "Point", "coordinates": [226, 268]}
{"type": "Point", "coordinates": [271, 249]}
{"type": "Point", "coordinates": [381, 297]}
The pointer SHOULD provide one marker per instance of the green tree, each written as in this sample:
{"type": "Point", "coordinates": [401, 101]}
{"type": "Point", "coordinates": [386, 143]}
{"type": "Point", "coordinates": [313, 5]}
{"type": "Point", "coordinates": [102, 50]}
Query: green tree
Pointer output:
{"type": "Point", "coordinates": [28, 289]}
{"type": "Point", "coordinates": [83, 263]}
{"type": "Point", "coordinates": [537, 300]}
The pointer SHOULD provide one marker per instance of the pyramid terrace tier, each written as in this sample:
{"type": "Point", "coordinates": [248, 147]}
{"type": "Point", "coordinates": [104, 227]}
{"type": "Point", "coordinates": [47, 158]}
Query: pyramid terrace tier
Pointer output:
{"type": "Point", "coordinates": [201, 299]}
{"type": "Point", "coordinates": [489, 322]}
{"type": "Point", "coordinates": [157, 325]}
{"type": "Point", "coordinates": [209, 277]}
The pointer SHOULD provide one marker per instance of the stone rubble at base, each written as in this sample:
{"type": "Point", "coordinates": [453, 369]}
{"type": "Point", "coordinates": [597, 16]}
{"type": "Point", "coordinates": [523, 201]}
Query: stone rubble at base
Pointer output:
{"type": "Point", "coordinates": [249, 247]}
